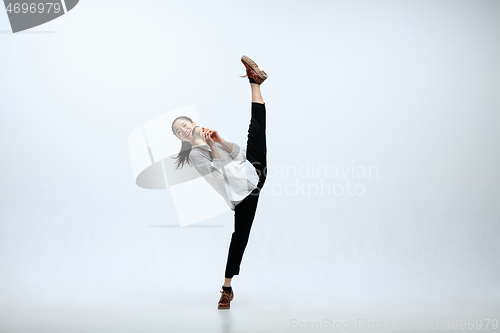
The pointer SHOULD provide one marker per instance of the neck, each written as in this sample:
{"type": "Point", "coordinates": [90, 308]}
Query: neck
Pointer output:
{"type": "Point", "coordinates": [197, 142]}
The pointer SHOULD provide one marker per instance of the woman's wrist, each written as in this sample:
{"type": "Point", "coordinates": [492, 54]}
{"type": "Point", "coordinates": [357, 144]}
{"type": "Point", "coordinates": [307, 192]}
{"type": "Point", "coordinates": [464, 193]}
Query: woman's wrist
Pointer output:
{"type": "Point", "coordinates": [228, 146]}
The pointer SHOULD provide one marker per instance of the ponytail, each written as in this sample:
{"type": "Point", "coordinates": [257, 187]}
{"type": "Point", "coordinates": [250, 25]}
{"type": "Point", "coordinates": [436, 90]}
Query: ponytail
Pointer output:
{"type": "Point", "coordinates": [183, 156]}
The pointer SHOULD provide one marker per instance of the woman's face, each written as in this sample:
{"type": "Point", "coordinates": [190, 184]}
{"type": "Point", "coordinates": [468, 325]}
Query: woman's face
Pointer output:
{"type": "Point", "coordinates": [183, 128]}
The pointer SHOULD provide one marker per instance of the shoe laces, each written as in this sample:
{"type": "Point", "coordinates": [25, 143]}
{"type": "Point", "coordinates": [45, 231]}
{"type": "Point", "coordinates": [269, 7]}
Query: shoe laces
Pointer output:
{"type": "Point", "coordinates": [225, 296]}
{"type": "Point", "coordinates": [250, 73]}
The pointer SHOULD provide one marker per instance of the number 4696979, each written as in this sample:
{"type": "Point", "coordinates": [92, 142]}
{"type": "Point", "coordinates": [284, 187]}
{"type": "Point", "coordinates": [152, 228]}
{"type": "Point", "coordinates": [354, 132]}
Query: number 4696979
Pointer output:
{"type": "Point", "coordinates": [48, 7]}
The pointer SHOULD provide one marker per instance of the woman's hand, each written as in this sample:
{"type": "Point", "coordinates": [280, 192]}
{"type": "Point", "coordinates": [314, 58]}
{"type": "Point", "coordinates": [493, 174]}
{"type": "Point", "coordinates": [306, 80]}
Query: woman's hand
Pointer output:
{"type": "Point", "coordinates": [214, 135]}
{"type": "Point", "coordinates": [207, 136]}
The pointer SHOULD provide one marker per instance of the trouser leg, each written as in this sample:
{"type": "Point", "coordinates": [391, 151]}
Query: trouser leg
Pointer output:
{"type": "Point", "coordinates": [244, 214]}
{"type": "Point", "coordinates": [256, 143]}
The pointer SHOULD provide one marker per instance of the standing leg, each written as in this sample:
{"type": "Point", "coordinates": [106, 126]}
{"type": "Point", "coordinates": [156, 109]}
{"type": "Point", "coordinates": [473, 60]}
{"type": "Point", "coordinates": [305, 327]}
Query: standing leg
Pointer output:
{"type": "Point", "coordinates": [244, 215]}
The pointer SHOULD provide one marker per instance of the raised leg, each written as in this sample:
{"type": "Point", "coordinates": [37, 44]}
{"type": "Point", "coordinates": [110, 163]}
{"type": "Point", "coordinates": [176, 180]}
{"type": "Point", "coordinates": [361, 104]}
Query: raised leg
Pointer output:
{"type": "Point", "coordinates": [256, 95]}
{"type": "Point", "coordinates": [257, 142]}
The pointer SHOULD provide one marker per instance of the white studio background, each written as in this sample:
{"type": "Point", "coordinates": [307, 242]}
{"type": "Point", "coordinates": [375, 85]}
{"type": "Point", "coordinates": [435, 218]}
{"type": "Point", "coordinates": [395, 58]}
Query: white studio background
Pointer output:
{"type": "Point", "coordinates": [410, 88]}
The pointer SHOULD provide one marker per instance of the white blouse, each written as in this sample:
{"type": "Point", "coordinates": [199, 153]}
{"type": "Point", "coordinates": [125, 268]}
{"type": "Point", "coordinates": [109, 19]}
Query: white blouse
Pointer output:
{"type": "Point", "coordinates": [232, 175]}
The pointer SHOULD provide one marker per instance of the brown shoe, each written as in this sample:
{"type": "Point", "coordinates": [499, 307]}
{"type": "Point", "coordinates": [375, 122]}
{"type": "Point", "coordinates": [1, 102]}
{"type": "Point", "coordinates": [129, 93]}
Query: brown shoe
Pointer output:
{"type": "Point", "coordinates": [253, 70]}
{"type": "Point", "coordinates": [225, 299]}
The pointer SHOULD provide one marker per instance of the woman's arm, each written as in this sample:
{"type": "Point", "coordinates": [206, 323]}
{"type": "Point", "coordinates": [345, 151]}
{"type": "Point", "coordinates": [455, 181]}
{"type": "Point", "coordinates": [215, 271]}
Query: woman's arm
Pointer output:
{"type": "Point", "coordinates": [207, 135]}
{"type": "Point", "coordinates": [215, 152]}
{"type": "Point", "coordinates": [205, 165]}
{"type": "Point", "coordinates": [228, 146]}
{"type": "Point", "coordinates": [213, 175]}
{"type": "Point", "coordinates": [232, 148]}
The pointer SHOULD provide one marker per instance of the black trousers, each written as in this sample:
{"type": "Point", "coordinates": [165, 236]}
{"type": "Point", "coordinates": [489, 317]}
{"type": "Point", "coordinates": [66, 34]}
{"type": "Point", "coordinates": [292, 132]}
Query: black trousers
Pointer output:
{"type": "Point", "coordinates": [244, 212]}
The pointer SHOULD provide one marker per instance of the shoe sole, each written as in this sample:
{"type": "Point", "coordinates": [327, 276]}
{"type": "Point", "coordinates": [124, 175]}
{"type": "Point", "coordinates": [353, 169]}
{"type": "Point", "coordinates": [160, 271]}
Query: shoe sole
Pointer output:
{"type": "Point", "coordinates": [249, 63]}
{"type": "Point", "coordinates": [226, 307]}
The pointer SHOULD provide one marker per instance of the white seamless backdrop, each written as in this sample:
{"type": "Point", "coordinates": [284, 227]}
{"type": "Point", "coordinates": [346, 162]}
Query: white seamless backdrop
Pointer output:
{"type": "Point", "coordinates": [410, 88]}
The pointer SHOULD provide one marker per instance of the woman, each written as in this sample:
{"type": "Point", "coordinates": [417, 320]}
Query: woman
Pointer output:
{"type": "Point", "coordinates": [235, 173]}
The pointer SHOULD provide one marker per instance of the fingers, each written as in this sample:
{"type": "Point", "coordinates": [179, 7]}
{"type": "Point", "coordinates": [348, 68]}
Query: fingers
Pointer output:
{"type": "Point", "coordinates": [215, 136]}
{"type": "Point", "coordinates": [209, 135]}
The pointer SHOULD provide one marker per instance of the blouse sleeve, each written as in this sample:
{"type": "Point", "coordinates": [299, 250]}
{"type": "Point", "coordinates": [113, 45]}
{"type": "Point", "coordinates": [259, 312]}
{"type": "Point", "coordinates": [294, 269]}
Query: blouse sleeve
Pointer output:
{"type": "Point", "coordinates": [205, 166]}
{"type": "Point", "coordinates": [212, 175]}
{"type": "Point", "coordinates": [218, 163]}
{"type": "Point", "coordinates": [235, 152]}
